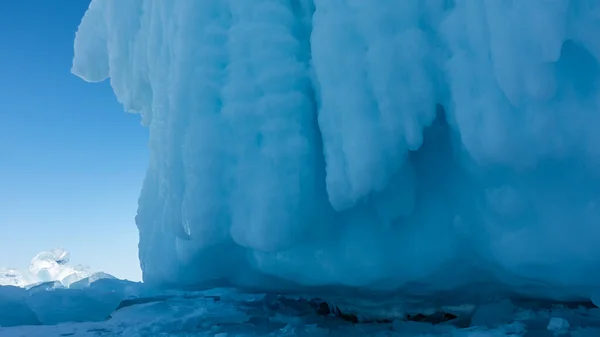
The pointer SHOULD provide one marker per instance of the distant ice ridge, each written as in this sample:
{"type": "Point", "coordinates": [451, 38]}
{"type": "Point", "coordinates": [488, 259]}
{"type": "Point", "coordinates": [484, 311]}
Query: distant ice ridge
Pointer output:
{"type": "Point", "coordinates": [421, 146]}
{"type": "Point", "coordinates": [49, 266]}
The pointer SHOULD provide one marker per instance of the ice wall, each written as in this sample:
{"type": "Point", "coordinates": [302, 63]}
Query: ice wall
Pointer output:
{"type": "Point", "coordinates": [415, 145]}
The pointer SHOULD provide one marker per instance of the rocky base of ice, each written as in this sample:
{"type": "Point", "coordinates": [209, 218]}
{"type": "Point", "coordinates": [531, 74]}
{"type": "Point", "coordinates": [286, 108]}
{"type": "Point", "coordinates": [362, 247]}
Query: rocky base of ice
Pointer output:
{"type": "Point", "coordinates": [119, 308]}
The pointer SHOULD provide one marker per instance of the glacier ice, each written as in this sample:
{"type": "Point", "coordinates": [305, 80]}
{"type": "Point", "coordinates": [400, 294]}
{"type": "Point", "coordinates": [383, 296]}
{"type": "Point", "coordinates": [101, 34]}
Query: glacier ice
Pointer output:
{"type": "Point", "coordinates": [12, 277]}
{"type": "Point", "coordinates": [49, 267]}
{"type": "Point", "coordinates": [429, 147]}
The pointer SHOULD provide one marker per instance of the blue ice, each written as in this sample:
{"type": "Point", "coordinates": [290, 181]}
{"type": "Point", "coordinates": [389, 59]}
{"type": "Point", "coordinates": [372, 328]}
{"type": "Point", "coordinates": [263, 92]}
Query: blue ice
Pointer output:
{"type": "Point", "coordinates": [422, 147]}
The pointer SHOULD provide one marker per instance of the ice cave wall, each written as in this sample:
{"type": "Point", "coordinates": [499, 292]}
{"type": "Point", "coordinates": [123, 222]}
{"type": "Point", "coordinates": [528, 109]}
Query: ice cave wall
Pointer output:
{"type": "Point", "coordinates": [382, 144]}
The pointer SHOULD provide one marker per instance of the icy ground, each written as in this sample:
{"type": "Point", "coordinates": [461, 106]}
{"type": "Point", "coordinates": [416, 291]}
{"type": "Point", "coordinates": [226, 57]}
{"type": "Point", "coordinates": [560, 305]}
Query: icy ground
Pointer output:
{"type": "Point", "coordinates": [227, 312]}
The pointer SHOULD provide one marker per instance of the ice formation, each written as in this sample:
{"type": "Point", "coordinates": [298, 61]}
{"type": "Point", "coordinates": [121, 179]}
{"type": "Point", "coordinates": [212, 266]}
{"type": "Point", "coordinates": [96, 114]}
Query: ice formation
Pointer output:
{"type": "Point", "coordinates": [423, 146]}
{"type": "Point", "coordinates": [226, 312]}
{"type": "Point", "coordinates": [47, 266]}
{"type": "Point", "coordinates": [48, 303]}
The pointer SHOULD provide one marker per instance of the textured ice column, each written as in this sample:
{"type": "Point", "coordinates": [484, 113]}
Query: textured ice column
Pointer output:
{"type": "Point", "coordinates": [524, 83]}
{"type": "Point", "coordinates": [376, 92]}
{"type": "Point", "coordinates": [225, 90]}
{"type": "Point", "coordinates": [268, 103]}
{"type": "Point", "coordinates": [519, 72]}
{"type": "Point", "coordinates": [169, 64]}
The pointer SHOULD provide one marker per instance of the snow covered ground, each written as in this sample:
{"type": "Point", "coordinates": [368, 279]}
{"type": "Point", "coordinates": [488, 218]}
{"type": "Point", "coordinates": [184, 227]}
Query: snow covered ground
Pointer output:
{"type": "Point", "coordinates": [228, 313]}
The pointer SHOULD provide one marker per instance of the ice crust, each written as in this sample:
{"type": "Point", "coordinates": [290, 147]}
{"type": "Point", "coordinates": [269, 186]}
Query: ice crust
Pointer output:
{"type": "Point", "coordinates": [225, 312]}
{"type": "Point", "coordinates": [423, 146]}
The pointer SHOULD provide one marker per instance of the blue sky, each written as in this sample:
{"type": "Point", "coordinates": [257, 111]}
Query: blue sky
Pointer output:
{"type": "Point", "coordinates": [71, 161]}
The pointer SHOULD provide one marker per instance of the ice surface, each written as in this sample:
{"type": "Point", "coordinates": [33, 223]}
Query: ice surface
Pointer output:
{"type": "Point", "coordinates": [14, 310]}
{"type": "Point", "coordinates": [48, 267]}
{"type": "Point", "coordinates": [93, 303]}
{"type": "Point", "coordinates": [52, 303]}
{"type": "Point", "coordinates": [227, 312]}
{"type": "Point", "coordinates": [493, 314]}
{"type": "Point", "coordinates": [558, 325]}
{"type": "Point", "coordinates": [441, 149]}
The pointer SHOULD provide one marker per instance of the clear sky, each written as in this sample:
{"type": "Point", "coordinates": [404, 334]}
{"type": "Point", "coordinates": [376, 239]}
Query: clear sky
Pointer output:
{"type": "Point", "coordinates": [71, 161]}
